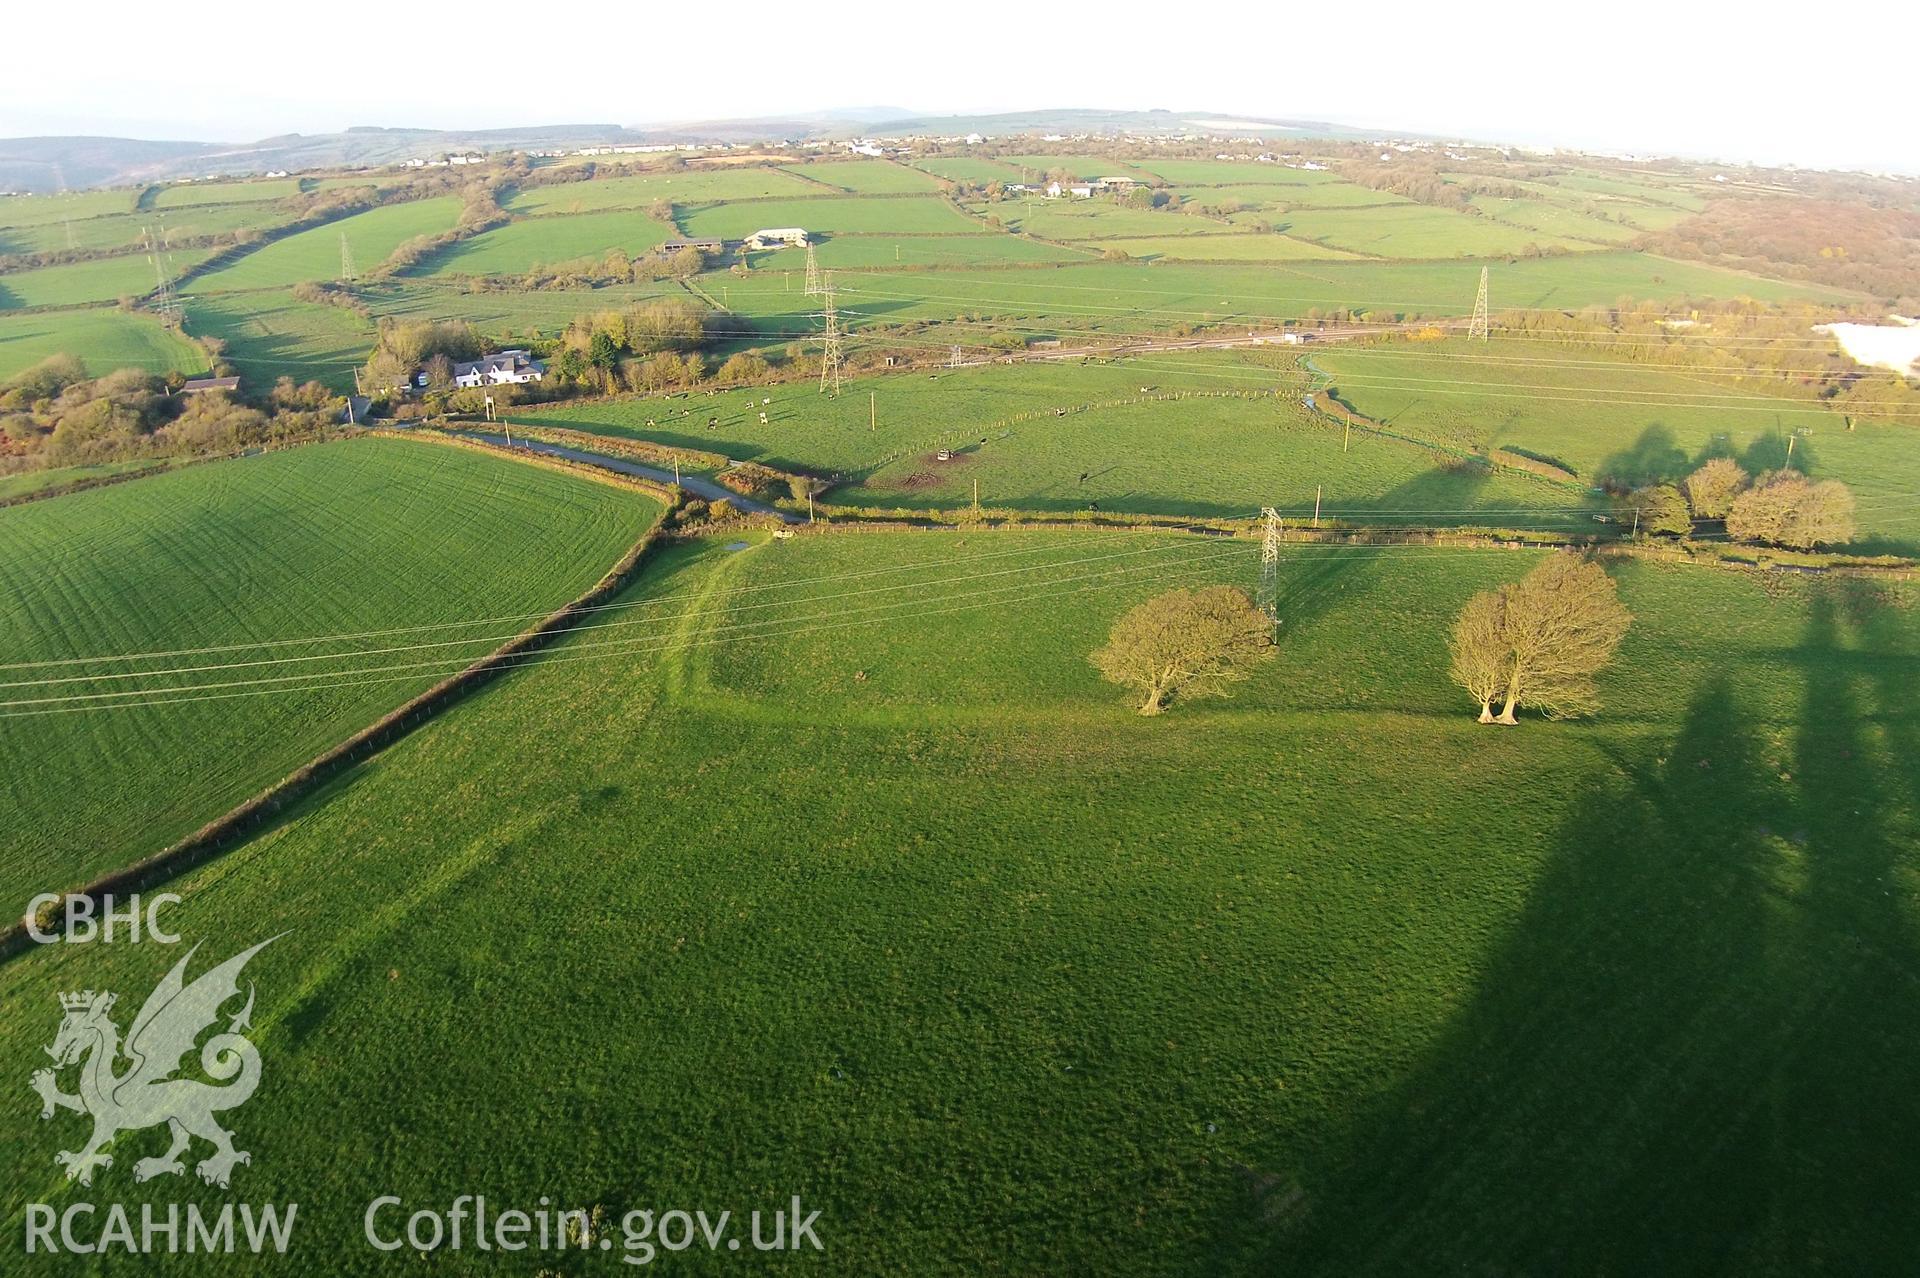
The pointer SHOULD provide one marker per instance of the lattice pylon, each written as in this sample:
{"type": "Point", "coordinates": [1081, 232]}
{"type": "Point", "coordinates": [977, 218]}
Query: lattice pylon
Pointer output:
{"type": "Point", "coordinates": [1268, 599]}
{"type": "Point", "coordinates": [1480, 327]}
{"type": "Point", "coordinates": [813, 271]}
{"type": "Point", "coordinates": [346, 260]}
{"type": "Point", "coordinates": [830, 340]}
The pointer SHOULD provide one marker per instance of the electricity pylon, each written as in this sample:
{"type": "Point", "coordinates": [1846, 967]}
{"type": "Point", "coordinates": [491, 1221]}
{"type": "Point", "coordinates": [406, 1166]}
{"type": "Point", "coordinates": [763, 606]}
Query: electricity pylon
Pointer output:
{"type": "Point", "coordinates": [1268, 600]}
{"type": "Point", "coordinates": [813, 271]}
{"type": "Point", "coordinates": [346, 260]}
{"type": "Point", "coordinates": [830, 340]}
{"type": "Point", "coordinates": [163, 302]}
{"type": "Point", "coordinates": [1479, 327]}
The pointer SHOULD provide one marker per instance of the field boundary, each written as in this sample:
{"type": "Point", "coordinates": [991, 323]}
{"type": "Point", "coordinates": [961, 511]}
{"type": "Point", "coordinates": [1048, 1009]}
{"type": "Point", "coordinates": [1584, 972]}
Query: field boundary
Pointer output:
{"type": "Point", "coordinates": [267, 806]}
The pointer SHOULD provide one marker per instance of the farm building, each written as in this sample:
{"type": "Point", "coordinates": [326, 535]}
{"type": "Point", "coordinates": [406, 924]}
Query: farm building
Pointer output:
{"type": "Point", "coordinates": [1079, 190]}
{"type": "Point", "coordinates": [705, 246]}
{"type": "Point", "coordinates": [498, 369]}
{"type": "Point", "coordinates": [771, 236]}
{"type": "Point", "coordinates": [199, 385]}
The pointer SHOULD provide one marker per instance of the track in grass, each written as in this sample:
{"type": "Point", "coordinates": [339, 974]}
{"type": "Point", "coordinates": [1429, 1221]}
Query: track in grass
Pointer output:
{"type": "Point", "coordinates": [1318, 964]}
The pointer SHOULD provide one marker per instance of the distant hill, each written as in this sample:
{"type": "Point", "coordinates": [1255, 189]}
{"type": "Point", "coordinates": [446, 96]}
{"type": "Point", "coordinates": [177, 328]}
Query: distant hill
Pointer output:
{"type": "Point", "coordinates": [74, 163]}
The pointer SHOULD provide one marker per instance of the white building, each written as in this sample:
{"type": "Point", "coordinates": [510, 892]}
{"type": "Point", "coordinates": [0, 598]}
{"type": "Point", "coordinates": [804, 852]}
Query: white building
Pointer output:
{"type": "Point", "coordinates": [499, 369]}
{"type": "Point", "coordinates": [768, 237]}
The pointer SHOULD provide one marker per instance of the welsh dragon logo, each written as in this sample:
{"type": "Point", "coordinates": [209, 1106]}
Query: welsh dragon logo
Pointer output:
{"type": "Point", "coordinates": [145, 1093]}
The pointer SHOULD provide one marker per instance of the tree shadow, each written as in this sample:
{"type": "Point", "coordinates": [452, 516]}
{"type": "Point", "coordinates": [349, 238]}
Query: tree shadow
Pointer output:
{"type": "Point", "coordinates": [1317, 578]}
{"type": "Point", "coordinates": [1695, 1051]}
{"type": "Point", "coordinates": [1655, 458]}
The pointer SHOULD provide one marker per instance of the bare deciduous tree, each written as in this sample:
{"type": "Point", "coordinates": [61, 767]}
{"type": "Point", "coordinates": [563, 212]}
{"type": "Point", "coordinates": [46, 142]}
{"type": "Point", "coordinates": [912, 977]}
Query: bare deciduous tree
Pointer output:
{"type": "Point", "coordinates": [1540, 641]}
{"type": "Point", "coordinates": [1186, 644]}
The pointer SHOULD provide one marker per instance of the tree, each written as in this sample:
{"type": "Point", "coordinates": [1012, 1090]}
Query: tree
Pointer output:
{"type": "Point", "coordinates": [1658, 508]}
{"type": "Point", "coordinates": [1785, 509]}
{"type": "Point", "coordinates": [1186, 644]}
{"type": "Point", "coordinates": [1540, 641]}
{"type": "Point", "coordinates": [1711, 489]}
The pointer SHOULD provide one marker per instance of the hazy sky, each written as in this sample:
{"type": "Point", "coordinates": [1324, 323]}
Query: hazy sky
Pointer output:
{"type": "Point", "coordinates": [1829, 85]}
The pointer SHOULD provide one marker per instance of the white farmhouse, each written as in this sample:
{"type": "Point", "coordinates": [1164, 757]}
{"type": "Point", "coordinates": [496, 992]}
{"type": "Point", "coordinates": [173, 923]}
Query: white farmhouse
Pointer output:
{"type": "Point", "coordinates": [499, 369]}
{"type": "Point", "coordinates": [768, 237]}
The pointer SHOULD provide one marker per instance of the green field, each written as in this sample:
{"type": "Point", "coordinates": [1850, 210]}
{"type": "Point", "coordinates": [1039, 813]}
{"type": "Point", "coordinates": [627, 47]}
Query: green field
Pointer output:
{"type": "Point", "coordinates": [520, 246]}
{"type": "Point", "coordinates": [34, 481]}
{"type": "Point", "coordinates": [1613, 418]}
{"type": "Point", "coordinates": [271, 334]}
{"type": "Point", "coordinates": [1153, 435]}
{"type": "Point", "coordinates": [1229, 172]}
{"type": "Point", "coordinates": [1132, 298]}
{"type": "Point", "coordinates": [1277, 196]}
{"type": "Point", "coordinates": [317, 541]}
{"type": "Point", "coordinates": [680, 186]}
{"type": "Point", "coordinates": [867, 177]}
{"type": "Point", "coordinates": [183, 194]}
{"type": "Point", "coordinates": [1084, 167]}
{"type": "Point", "coordinates": [98, 280]}
{"type": "Point", "coordinates": [128, 230]}
{"type": "Point", "coordinates": [978, 169]}
{"type": "Point", "coordinates": [1222, 248]}
{"type": "Point", "coordinates": [1415, 231]}
{"type": "Point", "coordinates": [315, 254]}
{"type": "Point", "coordinates": [902, 216]}
{"type": "Point", "coordinates": [43, 210]}
{"type": "Point", "coordinates": [855, 882]}
{"type": "Point", "coordinates": [1099, 217]}
{"type": "Point", "coordinates": [1555, 220]}
{"type": "Point", "coordinates": [504, 311]}
{"type": "Point", "coordinates": [104, 339]}
{"type": "Point", "coordinates": [853, 251]}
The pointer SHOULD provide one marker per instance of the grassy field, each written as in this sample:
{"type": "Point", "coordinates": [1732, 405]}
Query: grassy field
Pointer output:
{"type": "Point", "coordinates": [1415, 231]}
{"type": "Point", "coordinates": [1223, 248]}
{"type": "Point", "coordinates": [1319, 195]}
{"type": "Point", "coordinates": [104, 339]}
{"type": "Point", "coordinates": [506, 312]}
{"type": "Point", "coordinates": [1085, 167]}
{"type": "Point", "coordinates": [271, 334]}
{"type": "Point", "coordinates": [1067, 219]}
{"type": "Point", "coordinates": [679, 186]}
{"type": "Point", "coordinates": [901, 216]}
{"type": "Point", "coordinates": [99, 280]}
{"type": "Point", "coordinates": [1228, 172]}
{"type": "Point", "coordinates": [43, 210]}
{"type": "Point", "coordinates": [1555, 220]}
{"type": "Point", "coordinates": [1131, 298]}
{"type": "Point", "coordinates": [315, 254]}
{"type": "Point", "coordinates": [128, 230]}
{"type": "Point", "coordinates": [1612, 418]}
{"type": "Point", "coordinates": [181, 195]}
{"type": "Point", "coordinates": [546, 241]}
{"type": "Point", "coordinates": [853, 251]}
{"type": "Point", "coordinates": [1150, 435]}
{"type": "Point", "coordinates": [322, 540]}
{"type": "Point", "coordinates": [867, 177]}
{"type": "Point", "coordinates": [969, 168]}
{"type": "Point", "coordinates": [856, 883]}
{"type": "Point", "coordinates": [34, 481]}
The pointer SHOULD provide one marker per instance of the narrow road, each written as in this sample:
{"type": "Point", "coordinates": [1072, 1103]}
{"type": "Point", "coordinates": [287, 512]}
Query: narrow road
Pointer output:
{"type": "Point", "coordinates": [705, 489]}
